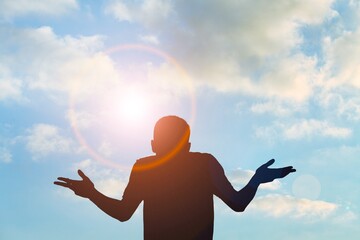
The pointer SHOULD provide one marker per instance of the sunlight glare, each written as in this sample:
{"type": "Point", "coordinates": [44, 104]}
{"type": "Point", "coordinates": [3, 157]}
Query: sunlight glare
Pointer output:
{"type": "Point", "coordinates": [133, 106]}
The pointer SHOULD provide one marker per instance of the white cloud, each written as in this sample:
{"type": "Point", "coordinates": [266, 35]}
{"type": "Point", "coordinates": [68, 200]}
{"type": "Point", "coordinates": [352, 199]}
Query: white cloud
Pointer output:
{"type": "Point", "coordinates": [152, 39]}
{"type": "Point", "coordinates": [346, 217]}
{"type": "Point", "coordinates": [44, 139]}
{"type": "Point", "coordinates": [149, 13]}
{"type": "Point", "coordinates": [56, 65]}
{"type": "Point", "coordinates": [341, 74]}
{"type": "Point", "coordinates": [110, 181]}
{"type": "Point", "coordinates": [10, 87]}
{"type": "Point", "coordinates": [350, 107]}
{"type": "Point", "coordinates": [342, 59]}
{"type": "Point", "coordinates": [338, 101]}
{"type": "Point", "coordinates": [302, 209]}
{"type": "Point", "coordinates": [106, 149]}
{"type": "Point", "coordinates": [290, 78]}
{"type": "Point", "coordinates": [343, 100]}
{"type": "Point", "coordinates": [169, 80]}
{"type": "Point", "coordinates": [120, 11]}
{"type": "Point", "coordinates": [300, 129]}
{"type": "Point", "coordinates": [277, 108]}
{"type": "Point", "coordinates": [111, 186]}
{"type": "Point", "coordinates": [225, 44]}
{"type": "Point", "coordinates": [81, 119]}
{"type": "Point", "coordinates": [337, 155]}
{"type": "Point", "coordinates": [356, 5]}
{"type": "Point", "coordinates": [308, 128]}
{"type": "Point", "coordinates": [11, 8]}
{"type": "Point", "coordinates": [5, 155]}
{"type": "Point", "coordinates": [275, 205]}
{"type": "Point", "coordinates": [232, 46]}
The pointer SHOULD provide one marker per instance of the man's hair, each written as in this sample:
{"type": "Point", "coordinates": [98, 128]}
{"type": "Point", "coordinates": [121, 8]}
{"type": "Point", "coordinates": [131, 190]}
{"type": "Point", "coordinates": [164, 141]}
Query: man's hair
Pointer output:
{"type": "Point", "coordinates": [171, 132]}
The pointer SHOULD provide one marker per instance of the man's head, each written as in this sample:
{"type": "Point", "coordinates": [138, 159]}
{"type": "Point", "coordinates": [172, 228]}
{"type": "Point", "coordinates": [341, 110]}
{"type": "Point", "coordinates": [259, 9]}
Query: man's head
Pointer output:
{"type": "Point", "coordinates": [171, 136]}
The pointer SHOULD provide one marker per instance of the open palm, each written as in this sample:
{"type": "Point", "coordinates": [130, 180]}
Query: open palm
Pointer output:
{"type": "Point", "coordinates": [265, 174]}
{"type": "Point", "coordinates": [83, 188]}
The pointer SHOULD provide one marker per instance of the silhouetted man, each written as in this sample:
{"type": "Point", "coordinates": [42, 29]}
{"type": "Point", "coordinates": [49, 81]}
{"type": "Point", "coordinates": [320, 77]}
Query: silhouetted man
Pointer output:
{"type": "Point", "coordinates": [176, 185]}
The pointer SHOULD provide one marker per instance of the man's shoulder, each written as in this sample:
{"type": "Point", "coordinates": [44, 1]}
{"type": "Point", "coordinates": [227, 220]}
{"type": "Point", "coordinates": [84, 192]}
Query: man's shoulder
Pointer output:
{"type": "Point", "coordinates": [196, 156]}
{"type": "Point", "coordinates": [204, 158]}
{"type": "Point", "coordinates": [145, 162]}
{"type": "Point", "coordinates": [201, 156]}
{"type": "Point", "coordinates": [146, 159]}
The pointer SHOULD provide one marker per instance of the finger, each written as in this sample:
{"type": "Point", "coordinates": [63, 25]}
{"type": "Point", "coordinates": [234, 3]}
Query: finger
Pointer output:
{"type": "Point", "coordinates": [63, 184]}
{"type": "Point", "coordinates": [67, 180]}
{"type": "Point", "coordinates": [269, 163]}
{"type": "Point", "coordinates": [287, 170]}
{"type": "Point", "coordinates": [82, 175]}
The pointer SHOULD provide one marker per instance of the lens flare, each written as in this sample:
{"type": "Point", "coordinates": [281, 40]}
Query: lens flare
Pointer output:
{"type": "Point", "coordinates": [134, 106]}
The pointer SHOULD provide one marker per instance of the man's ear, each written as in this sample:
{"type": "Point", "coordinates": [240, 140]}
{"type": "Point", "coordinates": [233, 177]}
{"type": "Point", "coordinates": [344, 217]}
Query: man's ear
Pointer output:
{"type": "Point", "coordinates": [153, 146]}
{"type": "Point", "coordinates": [188, 146]}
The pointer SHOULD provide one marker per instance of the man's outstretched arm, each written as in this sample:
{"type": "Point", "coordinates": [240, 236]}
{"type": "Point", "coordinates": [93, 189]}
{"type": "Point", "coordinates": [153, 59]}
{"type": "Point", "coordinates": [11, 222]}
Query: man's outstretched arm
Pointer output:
{"type": "Point", "coordinates": [119, 209]}
{"type": "Point", "coordinates": [239, 200]}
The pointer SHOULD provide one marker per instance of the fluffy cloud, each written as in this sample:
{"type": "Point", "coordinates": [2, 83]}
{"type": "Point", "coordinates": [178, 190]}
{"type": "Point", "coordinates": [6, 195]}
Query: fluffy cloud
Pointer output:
{"type": "Point", "coordinates": [150, 13]}
{"type": "Point", "coordinates": [74, 66]}
{"type": "Point", "coordinates": [152, 39]}
{"type": "Point", "coordinates": [307, 128]}
{"type": "Point", "coordinates": [109, 181]}
{"type": "Point", "coordinates": [344, 101]}
{"type": "Point", "coordinates": [346, 217]}
{"type": "Point", "coordinates": [81, 119]}
{"type": "Point", "coordinates": [343, 59]}
{"type": "Point", "coordinates": [340, 82]}
{"type": "Point", "coordinates": [5, 155]}
{"type": "Point", "coordinates": [10, 8]}
{"type": "Point", "coordinates": [278, 108]}
{"type": "Point", "coordinates": [79, 68]}
{"type": "Point", "coordinates": [238, 45]}
{"type": "Point", "coordinates": [10, 87]}
{"type": "Point", "coordinates": [290, 78]}
{"type": "Point", "coordinates": [337, 155]}
{"type": "Point", "coordinates": [281, 205]}
{"type": "Point", "coordinates": [303, 128]}
{"type": "Point", "coordinates": [120, 11]}
{"type": "Point", "coordinates": [106, 149]}
{"type": "Point", "coordinates": [44, 139]}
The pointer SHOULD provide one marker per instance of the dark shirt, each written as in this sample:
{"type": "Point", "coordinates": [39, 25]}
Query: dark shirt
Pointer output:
{"type": "Point", "coordinates": [177, 195]}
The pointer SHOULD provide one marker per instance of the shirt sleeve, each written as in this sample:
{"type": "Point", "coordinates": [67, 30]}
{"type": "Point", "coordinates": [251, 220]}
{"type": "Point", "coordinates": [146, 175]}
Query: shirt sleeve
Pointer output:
{"type": "Point", "coordinates": [222, 187]}
{"type": "Point", "coordinates": [132, 196]}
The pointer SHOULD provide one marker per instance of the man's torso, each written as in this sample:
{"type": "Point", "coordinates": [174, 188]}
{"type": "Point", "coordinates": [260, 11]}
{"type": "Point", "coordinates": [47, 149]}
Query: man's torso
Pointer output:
{"type": "Point", "coordinates": [178, 198]}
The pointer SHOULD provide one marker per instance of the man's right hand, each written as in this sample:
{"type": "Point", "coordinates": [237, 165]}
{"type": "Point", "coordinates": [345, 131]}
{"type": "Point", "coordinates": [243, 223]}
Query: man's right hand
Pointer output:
{"type": "Point", "coordinates": [83, 188]}
{"type": "Point", "coordinates": [265, 174]}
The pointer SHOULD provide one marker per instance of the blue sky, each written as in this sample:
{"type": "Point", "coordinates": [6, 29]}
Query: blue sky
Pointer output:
{"type": "Point", "coordinates": [83, 82]}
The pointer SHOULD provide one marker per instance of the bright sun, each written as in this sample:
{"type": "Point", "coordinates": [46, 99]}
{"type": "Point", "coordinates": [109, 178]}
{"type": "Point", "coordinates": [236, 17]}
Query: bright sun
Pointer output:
{"type": "Point", "coordinates": [133, 106]}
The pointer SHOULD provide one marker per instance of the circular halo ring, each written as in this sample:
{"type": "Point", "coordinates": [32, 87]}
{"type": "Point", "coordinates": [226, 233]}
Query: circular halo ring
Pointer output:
{"type": "Point", "coordinates": [170, 154]}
